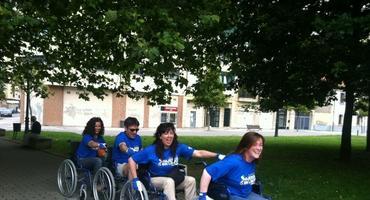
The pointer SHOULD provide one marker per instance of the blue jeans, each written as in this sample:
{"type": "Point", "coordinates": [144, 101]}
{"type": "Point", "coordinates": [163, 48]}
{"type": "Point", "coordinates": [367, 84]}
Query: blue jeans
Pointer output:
{"type": "Point", "coordinates": [251, 196]}
{"type": "Point", "coordinates": [93, 163]}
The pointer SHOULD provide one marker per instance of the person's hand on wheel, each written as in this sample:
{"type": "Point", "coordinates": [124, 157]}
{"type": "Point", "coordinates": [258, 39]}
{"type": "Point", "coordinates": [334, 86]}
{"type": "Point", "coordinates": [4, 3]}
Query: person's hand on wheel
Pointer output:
{"type": "Point", "coordinates": [136, 184]}
{"type": "Point", "coordinates": [202, 196]}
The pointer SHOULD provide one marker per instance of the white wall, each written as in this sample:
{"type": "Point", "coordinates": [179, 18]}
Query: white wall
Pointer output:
{"type": "Point", "coordinates": [266, 120]}
{"type": "Point", "coordinates": [135, 108]}
{"type": "Point", "coordinates": [154, 116]}
{"type": "Point", "coordinates": [200, 115]}
{"type": "Point", "coordinates": [76, 111]}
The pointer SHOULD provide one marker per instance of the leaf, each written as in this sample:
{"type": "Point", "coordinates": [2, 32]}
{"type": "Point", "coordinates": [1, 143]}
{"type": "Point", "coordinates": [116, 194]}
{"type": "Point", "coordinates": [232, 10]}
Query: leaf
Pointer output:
{"type": "Point", "coordinates": [110, 15]}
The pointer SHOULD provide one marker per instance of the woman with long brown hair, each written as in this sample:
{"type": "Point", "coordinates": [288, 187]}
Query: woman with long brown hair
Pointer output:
{"type": "Point", "coordinates": [92, 141]}
{"type": "Point", "coordinates": [163, 157]}
{"type": "Point", "coordinates": [237, 170]}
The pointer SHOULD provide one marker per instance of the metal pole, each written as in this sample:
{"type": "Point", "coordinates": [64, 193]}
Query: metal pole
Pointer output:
{"type": "Point", "coordinates": [277, 124]}
{"type": "Point", "coordinates": [332, 126]}
{"type": "Point", "coordinates": [26, 122]}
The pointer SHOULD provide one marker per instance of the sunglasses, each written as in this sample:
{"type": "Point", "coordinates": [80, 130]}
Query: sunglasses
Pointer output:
{"type": "Point", "coordinates": [134, 129]}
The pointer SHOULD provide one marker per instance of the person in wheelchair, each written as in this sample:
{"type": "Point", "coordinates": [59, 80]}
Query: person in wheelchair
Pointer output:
{"type": "Point", "coordinates": [237, 170]}
{"type": "Point", "coordinates": [163, 160]}
{"type": "Point", "coordinates": [90, 152]}
{"type": "Point", "coordinates": [125, 145]}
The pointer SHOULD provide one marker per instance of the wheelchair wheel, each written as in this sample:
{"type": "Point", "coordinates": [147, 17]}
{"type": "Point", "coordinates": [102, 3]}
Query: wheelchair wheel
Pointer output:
{"type": "Point", "coordinates": [129, 193]}
{"type": "Point", "coordinates": [67, 178]}
{"type": "Point", "coordinates": [83, 192]}
{"type": "Point", "coordinates": [103, 185]}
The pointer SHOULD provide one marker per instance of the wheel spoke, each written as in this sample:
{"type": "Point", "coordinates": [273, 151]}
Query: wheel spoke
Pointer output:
{"type": "Point", "coordinates": [104, 187]}
{"type": "Point", "coordinates": [67, 178]}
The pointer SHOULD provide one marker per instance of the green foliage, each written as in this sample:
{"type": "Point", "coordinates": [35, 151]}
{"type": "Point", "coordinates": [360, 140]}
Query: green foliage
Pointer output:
{"type": "Point", "coordinates": [208, 91]}
{"type": "Point", "coordinates": [297, 53]}
{"type": "Point", "coordinates": [97, 46]}
{"type": "Point", "coordinates": [362, 106]}
{"type": "Point", "coordinates": [2, 90]}
{"type": "Point", "coordinates": [271, 40]}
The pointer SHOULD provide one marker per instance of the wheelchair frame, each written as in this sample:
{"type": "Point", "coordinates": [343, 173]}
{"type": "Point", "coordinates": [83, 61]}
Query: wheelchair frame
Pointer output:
{"type": "Point", "coordinates": [105, 184]}
{"type": "Point", "coordinates": [108, 175]}
{"type": "Point", "coordinates": [70, 177]}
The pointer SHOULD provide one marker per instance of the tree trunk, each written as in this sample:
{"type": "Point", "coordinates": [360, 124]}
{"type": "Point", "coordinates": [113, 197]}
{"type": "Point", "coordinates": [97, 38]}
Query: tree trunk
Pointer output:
{"type": "Point", "coordinates": [277, 124]}
{"type": "Point", "coordinates": [345, 147]}
{"type": "Point", "coordinates": [208, 119]}
{"type": "Point", "coordinates": [26, 121]}
{"type": "Point", "coordinates": [368, 128]}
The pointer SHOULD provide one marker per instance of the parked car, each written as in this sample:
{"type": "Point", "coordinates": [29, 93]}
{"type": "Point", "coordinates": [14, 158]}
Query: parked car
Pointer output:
{"type": "Point", "coordinates": [5, 112]}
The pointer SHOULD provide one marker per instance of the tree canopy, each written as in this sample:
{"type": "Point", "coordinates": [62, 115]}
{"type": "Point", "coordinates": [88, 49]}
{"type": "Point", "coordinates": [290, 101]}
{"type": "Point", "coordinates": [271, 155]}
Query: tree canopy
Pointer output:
{"type": "Point", "coordinates": [293, 53]}
{"type": "Point", "coordinates": [112, 45]}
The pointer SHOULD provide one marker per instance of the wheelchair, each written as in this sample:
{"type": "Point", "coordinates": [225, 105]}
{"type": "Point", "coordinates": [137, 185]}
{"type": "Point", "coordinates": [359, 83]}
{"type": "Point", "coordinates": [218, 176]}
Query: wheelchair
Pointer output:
{"type": "Point", "coordinates": [219, 191]}
{"type": "Point", "coordinates": [145, 179]}
{"type": "Point", "coordinates": [121, 188]}
{"type": "Point", "coordinates": [72, 176]}
{"type": "Point", "coordinates": [148, 190]}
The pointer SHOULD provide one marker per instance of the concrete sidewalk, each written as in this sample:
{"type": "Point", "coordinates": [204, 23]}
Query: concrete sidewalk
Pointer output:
{"type": "Point", "coordinates": [27, 174]}
{"type": "Point", "coordinates": [199, 131]}
{"type": "Point", "coordinates": [7, 123]}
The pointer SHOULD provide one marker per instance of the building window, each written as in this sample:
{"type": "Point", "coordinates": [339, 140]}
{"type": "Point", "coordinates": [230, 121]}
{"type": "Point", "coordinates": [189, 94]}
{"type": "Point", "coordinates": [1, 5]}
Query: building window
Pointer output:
{"type": "Point", "coordinates": [173, 75]}
{"type": "Point", "coordinates": [243, 93]}
{"type": "Point", "coordinates": [163, 117]}
{"type": "Point", "coordinates": [139, 71]}
{"type": "Point", "coordinates": [173, 118]}
{"type": "Point", "coordinates": [342, 97]}
{"type": "Point", "coordinates": [340, 119]}
{"type": "Point", "coordinates": [169, 114]}
{"type": "Point", "coordinates": [226, 79]}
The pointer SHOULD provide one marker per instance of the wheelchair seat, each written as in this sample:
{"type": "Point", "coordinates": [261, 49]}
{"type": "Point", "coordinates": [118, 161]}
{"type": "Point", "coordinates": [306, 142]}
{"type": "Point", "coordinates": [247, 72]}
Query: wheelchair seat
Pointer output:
{"type": "Point", "coordinates": [218, 191]}
{"type": "Point", "coordinates": [74, 146]}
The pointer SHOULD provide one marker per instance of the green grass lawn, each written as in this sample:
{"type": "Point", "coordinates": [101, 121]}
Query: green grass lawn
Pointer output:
{"type": "Point", "coordinates": [291, 167]}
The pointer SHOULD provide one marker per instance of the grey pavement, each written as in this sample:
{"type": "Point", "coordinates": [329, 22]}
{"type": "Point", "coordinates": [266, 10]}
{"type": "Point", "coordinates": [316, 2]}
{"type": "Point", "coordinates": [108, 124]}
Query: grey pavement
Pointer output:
{"type": "Point", "coordinates": [7, 123]}
{"type": "Point", "coordinates": [27, 174]}
{"type": "Point", "coordinates": [199, 131]}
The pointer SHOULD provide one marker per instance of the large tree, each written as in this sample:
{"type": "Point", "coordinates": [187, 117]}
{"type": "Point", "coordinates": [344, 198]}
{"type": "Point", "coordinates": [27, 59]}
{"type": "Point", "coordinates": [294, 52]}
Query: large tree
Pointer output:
{"type": "Point", "coordinates": [209, 91]}
{"type": "Point", "coordinates": [299, 52]}
{"type": "Point", "coordinates": [19, 36]}
{"type": "Point", "coordinates": [98, 46]}
{"type": "Point", "coordinates": [111, 45]}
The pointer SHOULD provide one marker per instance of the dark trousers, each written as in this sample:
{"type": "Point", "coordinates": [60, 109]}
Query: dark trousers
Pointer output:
{"type": "Point", "coordinates": [92, 163]}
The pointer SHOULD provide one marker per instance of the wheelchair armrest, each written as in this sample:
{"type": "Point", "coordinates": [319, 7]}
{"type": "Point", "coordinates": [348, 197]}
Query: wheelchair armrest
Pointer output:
{"type": "Point", "coordinates": [257, 187]}
{"type": "Point", "coordinates": [184, 168]}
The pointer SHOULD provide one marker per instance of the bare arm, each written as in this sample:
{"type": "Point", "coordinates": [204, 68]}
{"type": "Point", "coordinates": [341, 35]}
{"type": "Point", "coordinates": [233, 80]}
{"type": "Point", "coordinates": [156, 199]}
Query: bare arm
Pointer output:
{"type": "Point", "coordinates": [204, 181]}
{"type": "Point", "coordinates": [132, 167]}
{"type": "Point", "coordinates": [204, 154]}
{"type": "Point", "coordinates": [123, 147]}
{"type": "Point", "coordinates": [93, 144]}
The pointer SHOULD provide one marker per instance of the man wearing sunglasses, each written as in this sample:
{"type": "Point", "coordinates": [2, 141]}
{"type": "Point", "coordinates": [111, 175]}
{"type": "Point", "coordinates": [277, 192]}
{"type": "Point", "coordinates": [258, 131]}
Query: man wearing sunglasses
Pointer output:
{"type": "Point", "coordinates": [125, 145]}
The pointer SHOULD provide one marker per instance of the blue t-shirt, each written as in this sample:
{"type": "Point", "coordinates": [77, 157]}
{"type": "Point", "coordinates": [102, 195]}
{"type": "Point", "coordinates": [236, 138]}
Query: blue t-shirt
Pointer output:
{"type": "Point", "coordinates": [134, 145]}
{"type": "Point", "coordinates": [84, 151]}
{"type": "Point", "coordinates": [162, 167]}
{"type": "Point", "coordinates": [237, 174]}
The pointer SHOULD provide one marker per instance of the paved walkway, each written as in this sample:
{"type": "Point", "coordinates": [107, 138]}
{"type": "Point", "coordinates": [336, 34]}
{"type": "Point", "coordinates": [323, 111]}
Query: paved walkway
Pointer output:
{"type": "Point", "coordinates": [7, 123]}
{"type": "Point", "coordinates": [198, 131]}
{"type": "Point", "coordinates": [27, 174]}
